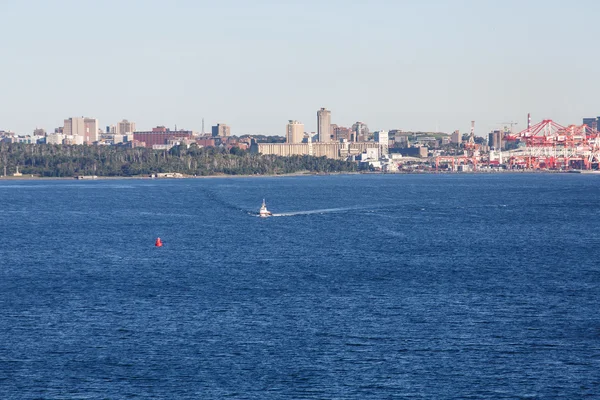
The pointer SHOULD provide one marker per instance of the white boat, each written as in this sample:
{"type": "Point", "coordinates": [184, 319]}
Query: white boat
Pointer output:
{"type": "Point", "coordinates": [264, 213]}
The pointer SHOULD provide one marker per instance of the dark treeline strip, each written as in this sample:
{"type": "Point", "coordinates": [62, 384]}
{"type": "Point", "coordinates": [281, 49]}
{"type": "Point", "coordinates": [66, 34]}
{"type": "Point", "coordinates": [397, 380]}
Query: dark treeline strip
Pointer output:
{"type": "Point", "coordinates": [69, 161]}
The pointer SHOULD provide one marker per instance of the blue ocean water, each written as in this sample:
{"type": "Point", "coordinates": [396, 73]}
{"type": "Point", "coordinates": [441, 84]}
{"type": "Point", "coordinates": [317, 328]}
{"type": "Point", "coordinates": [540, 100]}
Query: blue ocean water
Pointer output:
{"type": "Point", "coordinates": [360, 287]}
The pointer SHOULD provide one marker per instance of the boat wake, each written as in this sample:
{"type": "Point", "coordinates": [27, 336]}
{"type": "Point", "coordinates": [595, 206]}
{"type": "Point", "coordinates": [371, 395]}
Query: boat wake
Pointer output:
{"type": "Point", "coordinates": [320, 211]}
{"type": "Point", "coordinates": [211, 195]}
{"type": "Point", "coordinates": [364, 209]}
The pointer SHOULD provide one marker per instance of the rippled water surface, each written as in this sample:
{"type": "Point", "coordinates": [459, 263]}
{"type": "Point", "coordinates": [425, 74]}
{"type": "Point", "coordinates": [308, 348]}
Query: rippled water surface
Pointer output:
{"type": "Point", "coordinates": [360, 287]}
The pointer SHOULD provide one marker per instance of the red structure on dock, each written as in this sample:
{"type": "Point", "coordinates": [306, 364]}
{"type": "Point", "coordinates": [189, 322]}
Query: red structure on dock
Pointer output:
{"type": "Point", "coordinates": [545, 145]}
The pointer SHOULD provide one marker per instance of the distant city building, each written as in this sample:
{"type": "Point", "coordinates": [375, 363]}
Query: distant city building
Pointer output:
{"type": "Point", "coordinates": [369, 154]}
{"type": "Point", "coordinates": [401, 140]}
{"type": "Point", "coordinates": [495, 140]}
{"type": "Point", "coordinates": [382, 138]}
{"type": "Point", "coordinates": [74, 126]}
{"type": "Point", "coordinates": [39, 132]}
{"type": "Point", "coordinates": [456, 138]}
{"type": "Point", "coordinates": [294, 132]}
{"type": "Point", "coordinates": [427, 141]}
{"type": "Point", "coordinates": [92, 130]}
{"type": "Point", "coordinates": [74, 140]}
{"type": "Point", "coordinates": [28, 139]}
{"type": "Point", "coordinates": [342, 133]}
{"type": "Point", "coordinates": [6, 133]}
{"type": "Point", "coordinates": [54, 138]}
{"type": "Point", "coordinates": [124, 127]}
{"type": "Point", "coordinates": [114, 138]}
{"type": "Point", "coordinates": [221, 130]}
{"type": "Point", "coordinates": [591, 123]}
{"type": "Point", "coordinates": [324, 125]}
{"type": "Point", "coordinates": [161, 136]}
{"type": "Point", "coordinates": [335, 150]}
{"type": "Point", "coordinates": [420, 152]}
{"type": "Point", "coordinates": [332, 129]}
{"type": "Point", "coordinates": [360, 132]}
{"type": "Point", "coordinates": [87, 128]}
{"type": "Point", "coordinates": [205, 141]}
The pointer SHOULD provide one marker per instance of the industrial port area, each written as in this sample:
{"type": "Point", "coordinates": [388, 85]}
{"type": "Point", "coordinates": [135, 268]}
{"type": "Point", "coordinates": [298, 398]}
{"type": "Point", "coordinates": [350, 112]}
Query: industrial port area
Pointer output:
{"type": "Point", "coordinates": [541, 146]}
{"type": "Point", "coordinates": [545, 145]}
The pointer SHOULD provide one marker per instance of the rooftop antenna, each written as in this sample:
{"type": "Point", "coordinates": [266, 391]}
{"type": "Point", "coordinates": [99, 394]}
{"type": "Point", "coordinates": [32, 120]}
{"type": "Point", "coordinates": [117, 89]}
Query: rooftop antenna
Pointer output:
{"type": "Point", "coordinates": [202, 125]}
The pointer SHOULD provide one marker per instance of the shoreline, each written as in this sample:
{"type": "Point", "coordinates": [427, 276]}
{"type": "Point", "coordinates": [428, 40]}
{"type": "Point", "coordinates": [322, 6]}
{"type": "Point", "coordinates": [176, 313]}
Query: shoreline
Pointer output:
{"type": "Point", "coordinates": [295, 174]}
{"type": "Point", "coordinates": [98, 177]}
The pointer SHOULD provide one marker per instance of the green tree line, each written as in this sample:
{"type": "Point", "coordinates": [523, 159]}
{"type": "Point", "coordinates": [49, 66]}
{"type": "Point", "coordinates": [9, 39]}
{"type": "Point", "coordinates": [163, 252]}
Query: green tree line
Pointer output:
{"type": "Point", "coordinates": [48, 160]}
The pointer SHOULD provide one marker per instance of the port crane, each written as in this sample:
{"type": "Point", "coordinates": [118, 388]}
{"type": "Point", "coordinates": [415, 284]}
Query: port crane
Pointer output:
{"type": "Point", "coordinates": [470, 157]}
{"type": "Point", "coordinates": [545, 145]}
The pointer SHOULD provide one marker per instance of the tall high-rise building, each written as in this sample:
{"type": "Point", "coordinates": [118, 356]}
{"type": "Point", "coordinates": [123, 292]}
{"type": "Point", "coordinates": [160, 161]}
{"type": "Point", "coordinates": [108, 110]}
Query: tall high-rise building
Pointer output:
{"type": "Point", "coordinates": [495, 140]}
{"type": "Point", "coordinates": [456, 138]}
{"type": "Point", "coordinates": [324, 125]}
{"type": "Point", "coordinates": [73, 126]}
{"type": "Point", "coordinates": [361, 132]}
{"type": "Point", "coordinates": [381, 137]}
{"type": "Point", "coordinates": [221, 130]}
{"type": "Point", "coordinates": [124, 127]}
{"type": "Point", "coordinates": [86, 128]}
{"type": "Point", "coordinates": [294, 132]}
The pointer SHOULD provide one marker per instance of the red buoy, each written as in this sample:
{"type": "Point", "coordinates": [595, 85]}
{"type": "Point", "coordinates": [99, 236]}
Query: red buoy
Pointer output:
{"type": "Point", "coordinates": [158, 242]}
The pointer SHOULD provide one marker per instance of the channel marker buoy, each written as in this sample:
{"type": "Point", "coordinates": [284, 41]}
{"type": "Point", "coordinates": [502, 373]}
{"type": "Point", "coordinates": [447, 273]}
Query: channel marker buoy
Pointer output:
{"type": "Point", "coordinates": [158, 242]}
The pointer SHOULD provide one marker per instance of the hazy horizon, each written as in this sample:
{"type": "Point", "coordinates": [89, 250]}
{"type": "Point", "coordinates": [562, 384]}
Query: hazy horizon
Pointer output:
{"type": "Point", "coordinates": [425, 65]}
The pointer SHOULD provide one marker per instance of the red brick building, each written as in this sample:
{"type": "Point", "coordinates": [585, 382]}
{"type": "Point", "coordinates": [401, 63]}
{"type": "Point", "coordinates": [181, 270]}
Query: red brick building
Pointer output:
{"type": "Point", "coordinates": [161, 135]}
{"type": "Point", "coordinates": [206, 141]}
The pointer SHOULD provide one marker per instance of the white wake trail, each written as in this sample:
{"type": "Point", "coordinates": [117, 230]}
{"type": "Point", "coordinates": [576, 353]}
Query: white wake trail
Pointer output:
{"type": "Point", "coordinates": [320, 211]}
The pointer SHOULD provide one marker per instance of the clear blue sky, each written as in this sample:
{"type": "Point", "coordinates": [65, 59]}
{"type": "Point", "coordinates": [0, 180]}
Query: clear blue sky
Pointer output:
{"type": "Point", "coordinates": [394, 64]}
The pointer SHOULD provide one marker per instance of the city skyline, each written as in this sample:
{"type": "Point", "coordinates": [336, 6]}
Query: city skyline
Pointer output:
{"type": "Point", "coordinates": [426, 66]}
{"type": "Point", "coordinates": [124, 125]}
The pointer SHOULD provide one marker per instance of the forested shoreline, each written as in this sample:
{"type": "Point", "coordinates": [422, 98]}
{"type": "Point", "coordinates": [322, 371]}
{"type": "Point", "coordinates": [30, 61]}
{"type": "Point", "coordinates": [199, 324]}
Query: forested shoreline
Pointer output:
{"type": "Point", "coordinates": [46, 160]}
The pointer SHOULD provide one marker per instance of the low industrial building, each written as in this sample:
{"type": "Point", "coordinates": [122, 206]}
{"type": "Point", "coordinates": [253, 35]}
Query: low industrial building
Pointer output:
{"type": "Point", "coordinates": [335, 150]}
{"type": "Point", "coordinates": [421, 152]}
